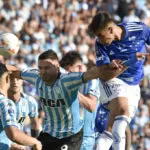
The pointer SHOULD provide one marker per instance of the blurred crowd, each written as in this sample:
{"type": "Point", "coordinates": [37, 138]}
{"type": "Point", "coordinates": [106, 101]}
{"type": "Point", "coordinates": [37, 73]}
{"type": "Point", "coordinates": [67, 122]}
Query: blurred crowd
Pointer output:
{"type": "Point", "coordinates": [61, 25]}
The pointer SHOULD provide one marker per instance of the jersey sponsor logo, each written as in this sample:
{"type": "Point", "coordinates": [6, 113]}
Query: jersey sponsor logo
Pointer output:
{"type": "Point", "coordinates": [53, 103]}
{"type": "Point", "coordinates": [124, 50]}
{"type": "Point", "coordinates": [111, 53]}
{"type": "Point", "coordinates": [100, 58]}
{"type": "Point", "coordinates": [131, 38]}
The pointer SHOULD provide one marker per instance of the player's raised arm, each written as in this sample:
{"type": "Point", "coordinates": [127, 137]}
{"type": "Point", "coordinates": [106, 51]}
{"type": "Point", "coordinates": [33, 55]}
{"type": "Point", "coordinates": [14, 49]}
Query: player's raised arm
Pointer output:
{"type": "Point", "coordinates": [103, 72]}
{"type": "Point", "coordinates": [115, 68]}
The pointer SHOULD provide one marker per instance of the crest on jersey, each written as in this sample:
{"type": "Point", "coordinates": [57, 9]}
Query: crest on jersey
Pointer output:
{"type": "Point", "coordinates": [111, 53]}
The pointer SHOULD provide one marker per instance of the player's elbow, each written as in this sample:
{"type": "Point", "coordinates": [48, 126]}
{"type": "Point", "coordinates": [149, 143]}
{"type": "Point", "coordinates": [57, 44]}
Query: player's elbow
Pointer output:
{"type": "Point", "coordinates": [11, 134]}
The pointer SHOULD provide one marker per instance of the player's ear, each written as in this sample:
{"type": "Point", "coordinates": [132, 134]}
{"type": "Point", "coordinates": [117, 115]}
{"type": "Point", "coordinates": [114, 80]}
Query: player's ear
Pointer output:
{"type": "Point", "coordinates": [110, 29]}
{"type": "Point", "coordinates": [7, 78]}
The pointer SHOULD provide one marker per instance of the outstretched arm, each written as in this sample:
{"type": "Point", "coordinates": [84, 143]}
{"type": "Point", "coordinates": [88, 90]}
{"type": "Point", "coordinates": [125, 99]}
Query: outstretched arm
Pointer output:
{"type": "Point", "coordinates": [103, 72]}
{"type": "Point", "coordinates": [107, 72]}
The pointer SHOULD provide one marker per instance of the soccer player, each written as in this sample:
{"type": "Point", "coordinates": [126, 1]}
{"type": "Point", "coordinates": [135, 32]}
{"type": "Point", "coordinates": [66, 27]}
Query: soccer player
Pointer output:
{"type": "Point", "coordinates": [8, 123]}
{"type": "Point", "coordinates": [122, 94]}
{"type": "Point", "coordinates": [63, 127]}
{"type": "Point", "coordinates": [88, 98]}
{"type": "Point", "coordinates": [26, 106]}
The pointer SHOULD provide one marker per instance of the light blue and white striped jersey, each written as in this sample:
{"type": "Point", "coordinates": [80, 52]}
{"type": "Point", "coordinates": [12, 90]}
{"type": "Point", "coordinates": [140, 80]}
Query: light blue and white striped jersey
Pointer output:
{"type": "Point", "coordinates": [137, 34]}
{"type": "Point", "coordinates": [7, 118]}
{"type": "Point", "coordinates": [91, 87]}
{"type": "Point", "coordinates": [59, 102]}
{"type": "Point", "coordinates": [26, 107]}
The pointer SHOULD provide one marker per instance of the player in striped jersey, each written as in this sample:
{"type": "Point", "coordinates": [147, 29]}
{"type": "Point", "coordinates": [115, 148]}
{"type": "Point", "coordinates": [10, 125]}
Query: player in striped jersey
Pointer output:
{"type": "Point", "coordinates": [122, 94]}
{"type": "Point", "coordinates": [62, 126]}
{"type": "Point", "coordinates": [8, 123]}
{"type": "Point", "coordinates": [26, 106]}
{"type": "Point", "coordinates": [88, 97]}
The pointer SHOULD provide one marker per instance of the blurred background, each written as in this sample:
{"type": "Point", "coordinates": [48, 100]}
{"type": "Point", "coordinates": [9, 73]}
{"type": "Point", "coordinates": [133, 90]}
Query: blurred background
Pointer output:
{"type": "Point", "coordinates": [61, 25]}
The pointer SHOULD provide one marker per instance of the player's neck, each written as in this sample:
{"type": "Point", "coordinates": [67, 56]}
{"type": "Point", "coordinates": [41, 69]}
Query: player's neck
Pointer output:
{"type": "Point", "coordinates": [120, 32]}
{"type": "Point", "coordinates": [3, 92]}
{"type": "Point", "coordinates": [15, 96]}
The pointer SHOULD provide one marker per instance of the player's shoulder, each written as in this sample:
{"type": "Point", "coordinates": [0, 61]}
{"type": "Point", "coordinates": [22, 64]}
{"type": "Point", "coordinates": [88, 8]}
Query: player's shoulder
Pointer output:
{"type": "Point", "coordinates": [6, 102]}
{"type": "Point", "coordinates": [31, 70]}
{"type": "Point", "coordinates": [133, 26]}
{"type": "Point", "coordinates": [28, 98]}
{"type": "Point", "coordinates": [70, 75]}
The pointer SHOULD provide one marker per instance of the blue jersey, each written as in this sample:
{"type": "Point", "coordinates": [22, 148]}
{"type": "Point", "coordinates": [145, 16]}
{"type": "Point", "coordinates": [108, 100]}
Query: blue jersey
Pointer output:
{"type": "Point", "coordinates": [136, 35]}
{"type": "Point", "coordinates": [59, 102]}
{"type": "Point", "coordinates": [92, 87]}
{"type": "Point", "coordinates": [7, 118]}
{"type": "Point", "coordinates": [26, 106]}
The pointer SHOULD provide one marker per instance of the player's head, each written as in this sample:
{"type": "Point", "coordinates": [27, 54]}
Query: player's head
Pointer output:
{"type": "Point", "coordinates": [102, 26]}
{"type": "Point", "coordinates": [72, 62]}
{"type": "Point", "coordinates": [4, 77]}
{"type": "Point", "coordinates": [48, 65]}
{"type": "Point", "coordinates": [15, 86]}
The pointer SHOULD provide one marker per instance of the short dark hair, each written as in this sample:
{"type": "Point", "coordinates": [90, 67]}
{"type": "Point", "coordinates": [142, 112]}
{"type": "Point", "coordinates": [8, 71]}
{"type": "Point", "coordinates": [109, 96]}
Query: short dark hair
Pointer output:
{"type": "Point", "coordinates": [99, 21]}
{"type": "Point", "coordinates": [49, 54]}
{"type": "Point", "coordinates": [3, 69]}
{"type": "Point", "coordinates": [70, 58]}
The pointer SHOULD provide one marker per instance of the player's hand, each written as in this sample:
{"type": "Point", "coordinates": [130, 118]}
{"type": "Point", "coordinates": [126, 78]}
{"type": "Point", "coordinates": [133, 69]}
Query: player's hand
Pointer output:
{"type": "Point", "coordinates": [37, 146]}
{"type": "Point", "coordinates": [17, 147]}
{"type": "Point", "coordinates": [141, 56]}
{"type": "Point", "coordinates": [116, 64]}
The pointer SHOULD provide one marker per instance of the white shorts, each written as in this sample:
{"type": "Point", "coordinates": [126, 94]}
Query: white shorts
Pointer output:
{"type": "Point", "coordinates": [117, 88]}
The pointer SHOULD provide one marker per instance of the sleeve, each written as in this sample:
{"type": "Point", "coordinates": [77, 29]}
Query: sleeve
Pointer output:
{"type": "Point", "coordinates": [33, 107]}
{"type": "Point", "coordinates": [101, 57]}
{"type": "Point", "coordinates": [72, 82]}
{"type": "Point", "coordinates": [8, 113]}
{"type": "Point", "coordinates": [93, 88]}
{"type": "Point", "coordinates": [30, 75]}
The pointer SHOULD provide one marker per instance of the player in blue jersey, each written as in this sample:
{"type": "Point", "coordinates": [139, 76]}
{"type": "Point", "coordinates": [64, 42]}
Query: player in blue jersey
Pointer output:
{"type": "Point", "coordinates": [8, 123]}
{"type": "Point", "coordinates": [88, 97]}
{"type": "Point", "coordinates": [122, 94]}
{"type": "Point", "coordinates": [26, 106]}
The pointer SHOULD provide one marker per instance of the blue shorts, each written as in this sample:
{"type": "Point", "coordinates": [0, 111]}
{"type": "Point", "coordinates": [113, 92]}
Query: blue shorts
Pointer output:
{"type": "Point", "coordinates": [101, 119]}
